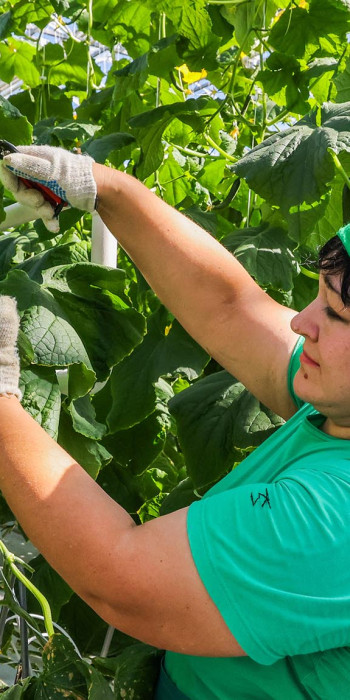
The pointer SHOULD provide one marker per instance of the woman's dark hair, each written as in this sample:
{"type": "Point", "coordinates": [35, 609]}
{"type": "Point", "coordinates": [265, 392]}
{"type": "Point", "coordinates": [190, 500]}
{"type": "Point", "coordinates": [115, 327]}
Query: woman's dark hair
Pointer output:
{"type": "Point", "coordinates": [334, 260]}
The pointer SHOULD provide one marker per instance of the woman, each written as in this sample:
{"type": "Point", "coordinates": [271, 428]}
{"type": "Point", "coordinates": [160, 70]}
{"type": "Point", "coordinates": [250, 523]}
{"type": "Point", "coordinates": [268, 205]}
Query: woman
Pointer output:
{"type": "Point", "coordinates": [248, 590]}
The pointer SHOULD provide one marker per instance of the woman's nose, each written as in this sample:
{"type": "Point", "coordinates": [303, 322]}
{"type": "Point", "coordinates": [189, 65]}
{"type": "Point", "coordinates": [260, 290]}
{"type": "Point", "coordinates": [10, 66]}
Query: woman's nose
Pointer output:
{"type": "Point", "coordinates": [305, 322]}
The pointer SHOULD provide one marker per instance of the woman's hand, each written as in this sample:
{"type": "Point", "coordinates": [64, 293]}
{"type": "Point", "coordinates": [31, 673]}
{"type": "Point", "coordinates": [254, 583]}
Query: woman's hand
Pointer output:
{"type": "Point", "coordinates": [67, 174]}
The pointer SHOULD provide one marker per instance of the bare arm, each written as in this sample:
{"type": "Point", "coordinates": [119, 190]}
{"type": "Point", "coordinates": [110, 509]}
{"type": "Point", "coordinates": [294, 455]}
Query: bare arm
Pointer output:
{"type": "Point", "coordinates": [141, 579]}
{"type": "Point", "coordinates": [204, 286]}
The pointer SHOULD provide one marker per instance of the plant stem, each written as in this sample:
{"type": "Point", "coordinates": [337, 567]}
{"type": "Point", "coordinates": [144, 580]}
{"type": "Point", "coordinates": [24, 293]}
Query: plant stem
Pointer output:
{"type": "Point", "coordinates": [309, 273]}
{"type": "Point", "coordinates": [190, 152]}
{"type": "Point", "coordinates": [278, 118]}
{"type": "Point", "coordinates": [339, 167]}
{"type": "Point", "coordinates": [219, 149]}
{"type": "Point", "coordinates": [10, 559]}
{"type": "Point", "coordinates": [90, 66]}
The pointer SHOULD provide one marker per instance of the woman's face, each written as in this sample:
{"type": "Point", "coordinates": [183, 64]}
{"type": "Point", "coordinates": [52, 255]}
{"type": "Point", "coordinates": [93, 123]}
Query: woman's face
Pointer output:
{"type": "Point", "coordinates": [324, 376]}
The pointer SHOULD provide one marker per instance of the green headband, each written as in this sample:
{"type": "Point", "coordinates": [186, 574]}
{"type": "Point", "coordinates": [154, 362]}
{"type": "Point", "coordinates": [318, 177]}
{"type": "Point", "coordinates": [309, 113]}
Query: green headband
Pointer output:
{"type": "Point", "coordinates": [344, 235]}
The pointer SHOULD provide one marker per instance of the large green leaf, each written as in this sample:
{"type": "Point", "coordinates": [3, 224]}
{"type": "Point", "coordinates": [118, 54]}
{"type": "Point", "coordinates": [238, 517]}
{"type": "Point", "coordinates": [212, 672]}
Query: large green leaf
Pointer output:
{"type": "Point", "coordinates": [216, 417]}
{"type": "Point", "coordinates": [62, 675]}
{"type": "Point", "coordinates": [69, 253]}
{"type": "Point", "coordinates": [89, 453]}
{"type": "Point", "coordinates": [342, 79]}
{"type": "Point", "coordinates": [128, 21]}
{"type": "Point", "coordinates": [53, 339]}
{"type": "Point", "coordinates": [285, 83]}
{"type": "Point", "coordinates": [266, 253]}
{"type": "Point", "coordinates": [84, 418]}
{"type": "Point", "coordinates": [100, 148]}
{"type": "Point", "coordinates": [6, 24]}
{"type": "Point", "coordinates": [149, 127]}
{"type": "Point", "coordinates": [17, 60]}
{"type": "Point", "coordinates": [42, 397]}
{"type": "Point", "coordinates": [91, 297]}
{"type": "Point", "coordinates": [14, 126]}
{"type": "Point", "coordinates": [17, 692]}
{"type": "Point", "coordinates": [137, 672]}
{"type": "Point", "coordinates": [180, 497]}
{"type": "Point", "coordinates": [136, 448]}
{"type": "Point", "coordinates": [295, 166]}
{"type": "Point", "coordinates": [72, 66]}
{"type": "Point", "coordinates": [99, 687]}
{"type": "Point", "coordinates": [297, 32]}
{"type": "Point", "coordinates": [160, 61]}
{"type": "Point", "coordinates": [167, 350]}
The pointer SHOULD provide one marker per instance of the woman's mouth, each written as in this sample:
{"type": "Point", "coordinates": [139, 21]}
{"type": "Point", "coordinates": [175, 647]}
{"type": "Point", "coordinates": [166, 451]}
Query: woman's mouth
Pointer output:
{"type": "Point", "coordinates": [305, 359]}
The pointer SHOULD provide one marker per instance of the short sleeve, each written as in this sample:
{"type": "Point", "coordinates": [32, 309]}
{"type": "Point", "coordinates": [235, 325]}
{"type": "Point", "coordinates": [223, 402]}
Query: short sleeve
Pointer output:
{"type": "Point", "coordinates": [293, 367]}
{"type": "Point", "coordinates": [274, 559]}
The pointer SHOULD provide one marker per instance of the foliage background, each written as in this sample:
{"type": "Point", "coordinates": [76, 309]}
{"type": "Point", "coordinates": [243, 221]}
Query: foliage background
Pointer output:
{"type": "Point", "coordinates": [256, 153]}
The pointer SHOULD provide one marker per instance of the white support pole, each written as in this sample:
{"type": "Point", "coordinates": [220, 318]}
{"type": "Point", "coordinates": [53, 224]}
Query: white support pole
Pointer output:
{"type": "Point", "coordinates": [16, 215]}
{"type": "Point", "coordinates": [104, 247]}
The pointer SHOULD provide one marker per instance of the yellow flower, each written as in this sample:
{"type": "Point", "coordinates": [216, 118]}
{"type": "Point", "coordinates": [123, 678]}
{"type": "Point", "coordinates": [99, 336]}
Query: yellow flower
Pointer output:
{"type": "Point", "coordinates": [235, 132]}
{"type": "Point", "coordinates": [167, 329]}
{"type": "Point", "coordinates": [189, 76]}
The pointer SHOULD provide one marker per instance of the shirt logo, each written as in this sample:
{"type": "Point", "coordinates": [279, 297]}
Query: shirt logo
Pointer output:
{"type": "Point", "coordinates": [265, 499]}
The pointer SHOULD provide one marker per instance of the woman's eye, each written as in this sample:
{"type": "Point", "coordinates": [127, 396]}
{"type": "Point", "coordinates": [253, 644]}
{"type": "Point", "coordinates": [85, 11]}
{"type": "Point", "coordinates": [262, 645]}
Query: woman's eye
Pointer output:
{"type": "Point", "coordinates": [333, 314]}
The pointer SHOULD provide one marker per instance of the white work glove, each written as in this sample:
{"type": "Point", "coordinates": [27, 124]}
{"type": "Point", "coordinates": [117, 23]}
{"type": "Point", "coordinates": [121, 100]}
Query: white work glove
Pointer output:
{"type": "Point", "coordinates": [68, 175]}
{"type": "Point", "coordinates": [9, 360]}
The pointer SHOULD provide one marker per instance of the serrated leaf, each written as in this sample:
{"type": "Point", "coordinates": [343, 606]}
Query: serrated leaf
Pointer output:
{"type": "Point", "coordinates": [121, 485]}
{"type": "Point", "coordinates": [216, 417]}
{"type": "Point", "coordinates": [17, 692]}
{"type": "Point", "coordinates": [6, 24]}
{"type": "Point", "coordinates": [69, 253]}
{"type": "Point", "coordinates": [342, 80]}
{"type": "Point", "coordinates": [180, 497]}
{"type": "Point", "coordinates": [266, 253]}
{"type": "Point", "coordinates": [100, 148]}
{"type": "Point", "coordinates": [298, 30]}
{"type": "Point", "coordinates": [61, 675]}
{"type": "Point", "coordinates": [137, 672]}
{"type": "Point", "coordinates": [149, 128]}
{"type": "Point", "coordinates": [90, 454]}
{"type": "Point", "coordinates": [8, 245]}
{"type": "Point", "coordinates": [173, 181]}
{"type": "Point", "coordinates": [99, 687]}
{"type": "Point", "coordinates": [136, 448]}
{"type": "Point", "coordinates": [70, 130]}
{"type": "Point", "coordinates": [14, 127]}
{"type": "Point", "coordinates": [162, 353]}
{"type": "Point", "coordinates": [91, 297]}
{"type": "Point", "coordinates": [74, 68]}
{"type": "Point", "coordinates": [17, 60]}
{"type": "Point", "coordinates": [84, 419]}
{"type": "Point", "coordinates": [42, 397]}
{"type": "Point", "coordinates": [54, 341]}
{"type": "Point", "coordinates": [295, 166]}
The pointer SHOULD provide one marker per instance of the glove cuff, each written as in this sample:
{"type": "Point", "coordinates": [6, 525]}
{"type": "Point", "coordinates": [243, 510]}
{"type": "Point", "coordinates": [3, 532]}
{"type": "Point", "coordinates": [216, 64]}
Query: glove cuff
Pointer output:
{"type": "Point", "coordinates": [9, 381]}
{"type": "Point", "coordinates": [9, 360]}
{"type": "Point", "coordinates": [83, 190]}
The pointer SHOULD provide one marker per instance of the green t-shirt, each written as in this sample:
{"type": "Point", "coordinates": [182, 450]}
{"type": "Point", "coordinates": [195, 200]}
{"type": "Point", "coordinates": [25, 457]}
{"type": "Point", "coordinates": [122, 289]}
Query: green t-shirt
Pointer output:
{"type": "Point", "coordinates": [271, 543]}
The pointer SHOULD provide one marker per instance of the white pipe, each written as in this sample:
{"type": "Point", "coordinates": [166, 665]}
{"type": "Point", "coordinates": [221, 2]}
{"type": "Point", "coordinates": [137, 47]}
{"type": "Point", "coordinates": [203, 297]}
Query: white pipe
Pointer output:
{"type": "Point", "coordinates": [16, 215]}
{"type": "Point", "coordinates": [104, 247]}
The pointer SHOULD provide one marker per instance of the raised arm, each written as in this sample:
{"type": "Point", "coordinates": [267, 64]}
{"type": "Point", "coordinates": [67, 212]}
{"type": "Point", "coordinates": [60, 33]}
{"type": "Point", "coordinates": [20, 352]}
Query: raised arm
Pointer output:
{"type": "Point", "coordinates": [204, 286]}
{"type": "Point", "coordinates": [201, 283]}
